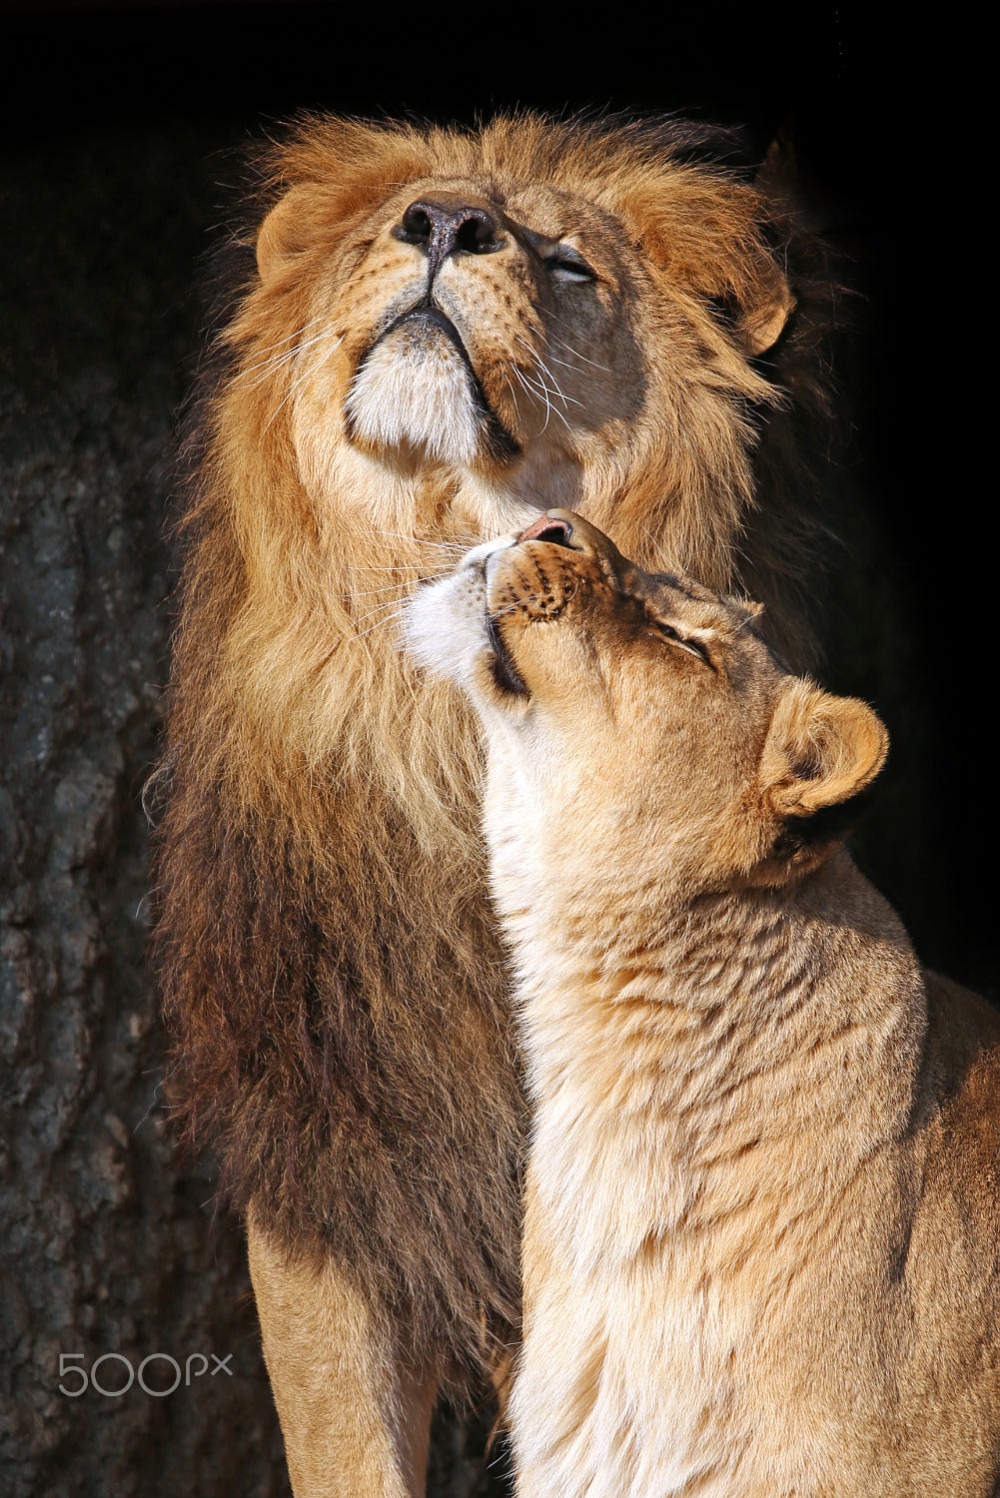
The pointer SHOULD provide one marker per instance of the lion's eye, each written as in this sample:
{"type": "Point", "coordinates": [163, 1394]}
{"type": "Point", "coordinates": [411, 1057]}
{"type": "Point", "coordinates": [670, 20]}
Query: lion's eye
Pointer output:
{"type": "Point", "coordinates": [667, 632]}
{"type": "Point", "coordinates": [567, 264]}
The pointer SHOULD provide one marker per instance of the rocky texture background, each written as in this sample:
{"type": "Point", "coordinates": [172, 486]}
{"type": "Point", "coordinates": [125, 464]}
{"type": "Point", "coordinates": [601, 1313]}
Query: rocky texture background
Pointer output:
{"type": "Point", "coordinates": [110, 1246]}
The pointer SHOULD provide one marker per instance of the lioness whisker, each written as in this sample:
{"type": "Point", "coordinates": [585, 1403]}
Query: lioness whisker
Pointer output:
{"type": "Point", "coordinates": [389, 619]}
{"type": "Point", "coordinates": [512, 608]}
{"type": "Point", "coordinates": [658, 552]}
{"type": "Point", "coordinates": [371, 567]}
{"type": "Point", "coordinates": [390, 587]}
{"type": "Point", "coordinates": [389, 603]}
{"type": "Point", "coordinates": [457, 548]}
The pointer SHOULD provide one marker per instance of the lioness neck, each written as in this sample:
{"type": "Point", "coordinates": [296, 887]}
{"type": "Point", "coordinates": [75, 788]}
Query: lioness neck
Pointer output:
{"type": "Point", "coordinates": [692, 1063]}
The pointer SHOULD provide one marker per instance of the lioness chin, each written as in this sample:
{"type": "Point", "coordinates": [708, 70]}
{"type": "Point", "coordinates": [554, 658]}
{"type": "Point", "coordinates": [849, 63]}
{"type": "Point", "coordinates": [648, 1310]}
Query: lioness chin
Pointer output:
{"type": "Point", "coordinates": [762, 1248]}
{"type": "Point", "coordinates": [436, 333]}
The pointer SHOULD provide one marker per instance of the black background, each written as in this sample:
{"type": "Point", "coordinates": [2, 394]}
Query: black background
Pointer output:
{"type": "Point", "coordinates": [886, 122]}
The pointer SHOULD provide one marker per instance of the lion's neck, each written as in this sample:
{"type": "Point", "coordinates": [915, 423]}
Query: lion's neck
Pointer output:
{"type": "Point", "coordinates": [690, 1065]}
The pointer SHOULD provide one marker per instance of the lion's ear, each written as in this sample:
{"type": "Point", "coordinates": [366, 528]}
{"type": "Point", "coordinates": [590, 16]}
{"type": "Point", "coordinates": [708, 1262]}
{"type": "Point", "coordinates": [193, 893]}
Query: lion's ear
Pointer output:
{"type": "Point", "coordinates": [711, 237]}
{"type": "Point", "coordinates": [283, 234]}
{"type": "Point", "coordinates": [765, 307]}
{"type": "Point", "coordinates": [821, 751]}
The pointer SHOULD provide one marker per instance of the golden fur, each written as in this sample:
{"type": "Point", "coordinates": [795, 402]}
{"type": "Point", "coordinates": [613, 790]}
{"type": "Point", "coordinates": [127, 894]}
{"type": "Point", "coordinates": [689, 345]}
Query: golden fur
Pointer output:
{"type": "Point", "coordinates": [762, 1247]}
{"type": "Point", "coordinates": [611, 322]}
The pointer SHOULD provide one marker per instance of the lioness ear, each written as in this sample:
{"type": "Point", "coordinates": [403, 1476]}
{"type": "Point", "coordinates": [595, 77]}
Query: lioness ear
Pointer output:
{"type": "Point", "coordinates": [282, 234]}
{"type": "Point", "coordinates": [820, 751]}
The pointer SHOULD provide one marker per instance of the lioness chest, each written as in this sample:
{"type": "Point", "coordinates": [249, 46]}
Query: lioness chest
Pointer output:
{"type": "Point", "coordinates": [644, 1350]}
{"type": "Point", "coordinates": [630, 1392]}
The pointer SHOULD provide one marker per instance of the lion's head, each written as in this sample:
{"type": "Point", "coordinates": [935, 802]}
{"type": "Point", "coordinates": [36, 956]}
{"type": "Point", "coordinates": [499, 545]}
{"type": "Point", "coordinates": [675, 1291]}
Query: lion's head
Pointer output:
{"type": "Point", "coordinates": [446, 326]}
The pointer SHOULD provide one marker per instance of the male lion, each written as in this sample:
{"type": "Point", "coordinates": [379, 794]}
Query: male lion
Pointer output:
{"type": "Point", "coordinates": [443, 332]}
{"type": "Point", "coordinates": [762, 1239]}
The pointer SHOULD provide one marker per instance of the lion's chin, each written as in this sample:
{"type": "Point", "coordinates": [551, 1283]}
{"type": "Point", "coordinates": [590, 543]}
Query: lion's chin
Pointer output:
{"type": "Point", "coordinates": [414, 390]}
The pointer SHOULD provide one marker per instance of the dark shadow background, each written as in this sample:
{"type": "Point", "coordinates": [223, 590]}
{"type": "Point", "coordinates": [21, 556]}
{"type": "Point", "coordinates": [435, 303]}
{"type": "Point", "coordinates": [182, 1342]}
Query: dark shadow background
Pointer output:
{"type": "Point", "coordinates": [119, 124]}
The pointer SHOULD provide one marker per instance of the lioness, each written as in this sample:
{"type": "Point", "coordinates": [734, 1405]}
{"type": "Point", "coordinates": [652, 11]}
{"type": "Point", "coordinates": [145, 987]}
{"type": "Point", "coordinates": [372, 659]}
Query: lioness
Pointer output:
{"type": "Point", "coordinates": [762, 1249]}
{"type": "Point", "coordinates": [437, 333]}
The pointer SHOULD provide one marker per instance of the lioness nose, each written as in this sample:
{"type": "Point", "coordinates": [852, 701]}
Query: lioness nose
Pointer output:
{"type": "Point", "coordinates": [549, 527]}
{"type": "Point", "coordinates": [566, 528]}
{"type": "Point", "coordinates": [440, 226]}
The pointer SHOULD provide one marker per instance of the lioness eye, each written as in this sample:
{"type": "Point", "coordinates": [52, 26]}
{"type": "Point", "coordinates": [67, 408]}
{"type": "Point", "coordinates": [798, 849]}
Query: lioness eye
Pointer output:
{"type": "Point", "coordinates": [567, 264]}
{"type": "Point", "coordinates": [694, 647]}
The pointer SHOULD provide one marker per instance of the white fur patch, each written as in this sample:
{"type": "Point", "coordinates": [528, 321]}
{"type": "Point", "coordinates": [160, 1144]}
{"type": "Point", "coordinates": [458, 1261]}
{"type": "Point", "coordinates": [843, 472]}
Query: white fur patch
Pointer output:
{"type": "Point", "coordinates": [444, 622]}
{"type": "Point", "coordinates": [415, 390]}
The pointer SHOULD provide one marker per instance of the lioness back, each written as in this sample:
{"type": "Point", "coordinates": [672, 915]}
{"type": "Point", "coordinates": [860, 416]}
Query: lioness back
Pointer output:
{"type": "Point", "coordinates": [763, 1211]}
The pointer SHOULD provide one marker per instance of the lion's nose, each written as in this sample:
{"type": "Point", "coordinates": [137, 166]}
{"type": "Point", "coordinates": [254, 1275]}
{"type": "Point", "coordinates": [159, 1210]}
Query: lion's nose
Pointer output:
{"type": "Point", "coordinates": [442, 226]}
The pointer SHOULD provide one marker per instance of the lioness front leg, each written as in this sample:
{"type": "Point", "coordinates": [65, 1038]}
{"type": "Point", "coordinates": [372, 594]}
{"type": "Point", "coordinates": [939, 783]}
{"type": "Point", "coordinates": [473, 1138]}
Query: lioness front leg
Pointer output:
{"type": "Point", "coordinates": [355, 1419]}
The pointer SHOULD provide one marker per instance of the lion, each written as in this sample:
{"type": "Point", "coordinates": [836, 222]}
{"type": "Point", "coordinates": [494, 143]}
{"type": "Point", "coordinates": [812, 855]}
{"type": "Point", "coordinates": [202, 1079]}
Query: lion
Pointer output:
{"type": "Point", "coordinates": [437, 333]}
{"type": "Point", "coordinates": [762, 1239]}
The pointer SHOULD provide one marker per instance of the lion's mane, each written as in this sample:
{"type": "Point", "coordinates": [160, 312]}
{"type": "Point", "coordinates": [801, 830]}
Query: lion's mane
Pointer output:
{"type": "Point", "coordinates": [331, 973]}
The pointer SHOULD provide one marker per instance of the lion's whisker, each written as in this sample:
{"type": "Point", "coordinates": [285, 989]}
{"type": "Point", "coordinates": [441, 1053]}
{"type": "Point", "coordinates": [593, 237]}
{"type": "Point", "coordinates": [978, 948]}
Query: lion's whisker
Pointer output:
{"type": "Point", "coordinates": [273, 361]}
{"type": "Point", "coordinates": [577, 353]}
{"type": "Point", "coordinates": [559, 392]}
{"type": "Point", "coordinates": [530, 384]}
{"type": "Point", "coordinates": [291, 337]}
{"type": "Point", "coordinates": [561, 362]}
{"type": "Point", "coordinates": [310, 370]}
{"type": "Point", "coordinates": [538, 390]}
{"type": "Point", "coordinates": [510, 389]}
{"type": "Point", "coordinates": [545, 391]}
{"type": "Point", "coordinates": [288, 357]}
{"type": "Point", "coordinates": [567, 400]}
{"type": "Point", "coordinates": [543, 370]}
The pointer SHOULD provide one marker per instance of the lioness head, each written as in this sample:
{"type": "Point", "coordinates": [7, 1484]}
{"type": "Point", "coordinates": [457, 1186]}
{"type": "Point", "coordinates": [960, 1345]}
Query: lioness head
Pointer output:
{"type": "Point", "coordinates": [643, 710]}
